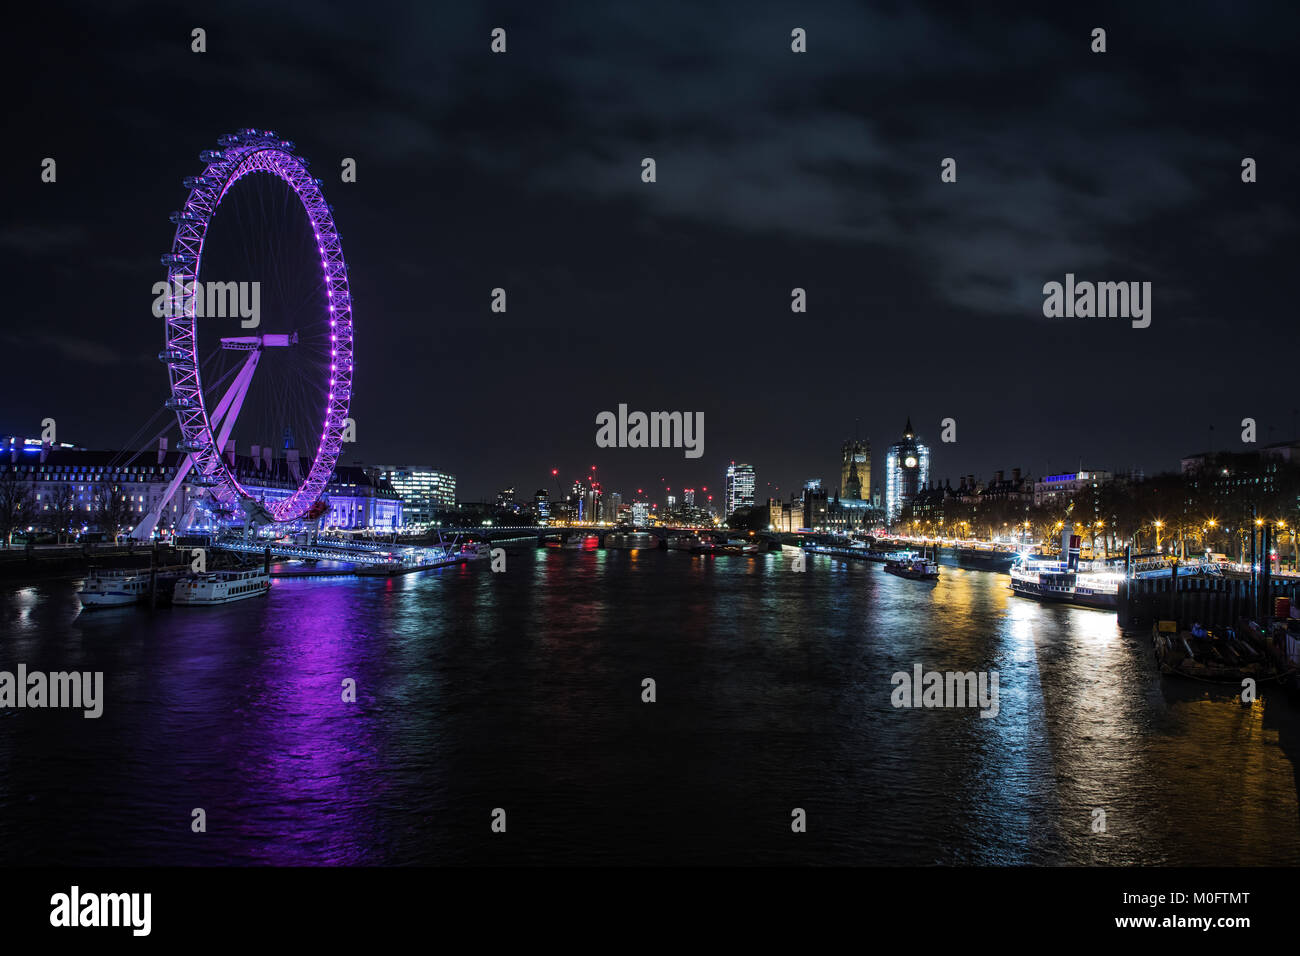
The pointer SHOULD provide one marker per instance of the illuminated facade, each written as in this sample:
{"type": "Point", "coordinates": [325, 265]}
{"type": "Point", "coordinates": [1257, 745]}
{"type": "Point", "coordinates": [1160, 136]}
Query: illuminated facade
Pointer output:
{"type": "Point", "coordinates": [907, 468]}
{"type": "Point", "coordinates": [855, 471]}
{"type": "Point", "coordinates": [740, 487]}
{"type": "Point", "coordinates": [816, 506]}
{"type": "Point", "coordinates": [69, 487]}
{"type": "Point", "coordinates": [1062, 489]}
{"type": "Point", "coordinates": [423, 490]}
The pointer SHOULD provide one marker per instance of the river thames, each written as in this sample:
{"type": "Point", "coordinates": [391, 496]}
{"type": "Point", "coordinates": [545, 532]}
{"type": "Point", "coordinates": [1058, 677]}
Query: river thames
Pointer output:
{"type": "Point", "coordinates": [523, 691]}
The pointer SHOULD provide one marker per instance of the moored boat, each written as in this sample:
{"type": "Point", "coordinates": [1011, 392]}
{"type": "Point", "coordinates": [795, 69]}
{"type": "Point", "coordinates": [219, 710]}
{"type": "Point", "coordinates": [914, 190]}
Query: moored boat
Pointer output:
{"type": "Point", "coordinates": [105, 588]}
{"type": "Point", "coordinates": [915, 567]}
{"type": "Point", "coordinates": [983, 557]}
{"type": "Point", "coordinates": [1221, 655]}
{"type": "Point", "coordinates": [734, 546]}
{"type": "Point", "coordinates": [1057, 582]}
{"type": "Point", "coordinates": [123, 588]}
{"type": "Point", "coordinates": [220, 587]}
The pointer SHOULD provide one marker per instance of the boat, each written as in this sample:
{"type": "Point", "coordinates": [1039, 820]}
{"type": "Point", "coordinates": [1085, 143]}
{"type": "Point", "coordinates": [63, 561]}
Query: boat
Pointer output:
{"type": "Point", "coordinates": [220, 587]}
{"type": "Point", "coordinates": [122, 588]}
{"type": "Point", "coordinates": [385, 569]}
{"type": "Point", "coordinates": [1061, 583]}
{"type": "Point", "coordinates": [1220, 655]}
{"type": "Point", "coordinates": [734, 546]}
{"type": "Point", "coordinates": [1067, 580]}
{"type": "Point", "coordinates": [476, 551]}
{"type": "Point", "coordinates": [978, 557]}
{"type": "Point", "coordinates": [407, 560]}
{"type": "Point", "coordinates": [629, 540]}
{"type": "Point", "coordinates": [861, 552]}
{"type": "Point", "coordinates": [909, 564]}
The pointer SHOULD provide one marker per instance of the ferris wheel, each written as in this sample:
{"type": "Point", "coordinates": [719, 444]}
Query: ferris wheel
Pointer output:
{"type": "Point", "coordinates": [310, 366]}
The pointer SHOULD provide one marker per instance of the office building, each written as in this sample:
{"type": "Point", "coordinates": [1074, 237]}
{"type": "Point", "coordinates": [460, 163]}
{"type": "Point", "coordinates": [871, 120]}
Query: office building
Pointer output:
{"type": "Point", "coordinates": [740, 487]}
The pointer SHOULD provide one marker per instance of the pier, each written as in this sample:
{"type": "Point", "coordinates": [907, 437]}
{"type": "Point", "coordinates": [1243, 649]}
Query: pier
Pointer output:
{"type": "Point", "coordinates": [1207, 599]}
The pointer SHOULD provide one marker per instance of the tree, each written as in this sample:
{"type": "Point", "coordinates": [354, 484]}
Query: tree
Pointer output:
{"type": "Point", "coordinates": [1047, 520]}
{"type": "Point", "coordinates": [1282, 507]}
{"type": "Point", "coordinates": [110, 508]}
{"type": "Point", "coordinates": [1119, 505]}
{"type": "Point", "coordinates": [17, 503]}
{"type": "Point", "coordinates": [62, 502]}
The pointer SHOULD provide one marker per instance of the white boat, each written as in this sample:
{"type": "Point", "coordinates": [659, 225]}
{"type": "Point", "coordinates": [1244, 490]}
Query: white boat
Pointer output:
{"type": "Point", "coordinates": [114, 588]}
{"type": "Point", "coordinates": [909, 564]}
{"type": "Point", "coordinates": [408, 560]}
{"type": "Point", "coordinates": [221, 587]}
{"type": "Point", "coordinates": [1067, 580]}
{"type": "Point", "coordinates": [1058, 582]}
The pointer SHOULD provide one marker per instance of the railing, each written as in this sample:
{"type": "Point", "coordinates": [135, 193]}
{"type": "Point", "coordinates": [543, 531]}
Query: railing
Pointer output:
{"type": "Point", "coordinates": [1163, 567]}
{"type": "Point", "coordinates": [413, 557]}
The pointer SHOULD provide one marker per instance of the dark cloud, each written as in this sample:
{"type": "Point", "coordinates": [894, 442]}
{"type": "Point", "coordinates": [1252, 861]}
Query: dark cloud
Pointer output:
{"type": "Point", "coordinates": [775, 170]}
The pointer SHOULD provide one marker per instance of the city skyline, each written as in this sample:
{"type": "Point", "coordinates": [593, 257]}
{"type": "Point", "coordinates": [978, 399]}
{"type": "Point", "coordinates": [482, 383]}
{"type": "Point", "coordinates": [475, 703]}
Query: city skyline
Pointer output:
{"type": "Point", "coordinates": [648, 488]}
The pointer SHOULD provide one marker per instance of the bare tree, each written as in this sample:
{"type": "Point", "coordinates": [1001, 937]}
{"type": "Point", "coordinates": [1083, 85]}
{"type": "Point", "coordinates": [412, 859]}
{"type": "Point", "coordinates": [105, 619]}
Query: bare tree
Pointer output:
{"type": "Point", "coordinates": [17, 503]}
{"type": "Point", "coordinates": [111, 509]}
{"type": "Point", "coordinates": [63, 508]}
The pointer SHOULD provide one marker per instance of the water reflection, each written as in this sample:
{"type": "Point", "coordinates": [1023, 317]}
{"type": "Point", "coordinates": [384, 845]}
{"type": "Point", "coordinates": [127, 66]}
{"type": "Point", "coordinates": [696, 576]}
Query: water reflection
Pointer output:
{"type": "Point", "coordinates": [523, 689]}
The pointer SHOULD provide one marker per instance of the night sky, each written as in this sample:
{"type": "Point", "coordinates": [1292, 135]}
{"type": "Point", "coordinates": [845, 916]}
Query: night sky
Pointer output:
{"type": "Point", "coordinates": [775, 170]}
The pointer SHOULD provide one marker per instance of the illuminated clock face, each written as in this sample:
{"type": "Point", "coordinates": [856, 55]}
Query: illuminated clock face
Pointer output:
{"type": "Point", "coordinates": [909, 462]}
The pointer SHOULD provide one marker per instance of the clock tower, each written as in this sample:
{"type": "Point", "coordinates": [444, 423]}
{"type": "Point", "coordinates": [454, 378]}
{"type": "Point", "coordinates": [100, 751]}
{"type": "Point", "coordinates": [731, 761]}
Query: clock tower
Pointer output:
{"type": "Point", "coordinates": [907, 468]}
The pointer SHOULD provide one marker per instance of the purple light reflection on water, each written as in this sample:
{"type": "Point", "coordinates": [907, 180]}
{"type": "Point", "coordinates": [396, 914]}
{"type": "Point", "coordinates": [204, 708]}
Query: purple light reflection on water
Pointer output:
{"type": "Point", "coordinates": [522, 690]}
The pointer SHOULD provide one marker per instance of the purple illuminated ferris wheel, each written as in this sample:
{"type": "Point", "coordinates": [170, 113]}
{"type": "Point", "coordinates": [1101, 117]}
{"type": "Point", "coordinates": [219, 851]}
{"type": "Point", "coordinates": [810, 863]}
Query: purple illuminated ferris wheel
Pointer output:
{"type": "Point", "coordinates": [318, 348]}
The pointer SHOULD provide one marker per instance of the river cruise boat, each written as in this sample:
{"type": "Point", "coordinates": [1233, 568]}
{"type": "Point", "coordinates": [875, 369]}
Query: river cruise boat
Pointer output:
{"type": "Point", "coordinates": [1090, 584]}
{"type": "Point", "coordinates": [408, 560]}
{"type": "Point", "coordinates": [220, 587]}
{"type": "Point", "coordinates": [105, 588]}
{"type": "Point", "coordinates": [733, 546]}
{"type": "Point", "coordinates": [915, 567]}
{"type": "Point", "coordinates": [123, 588]}
{"type": "Point", "coordinates": [983, 557]}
